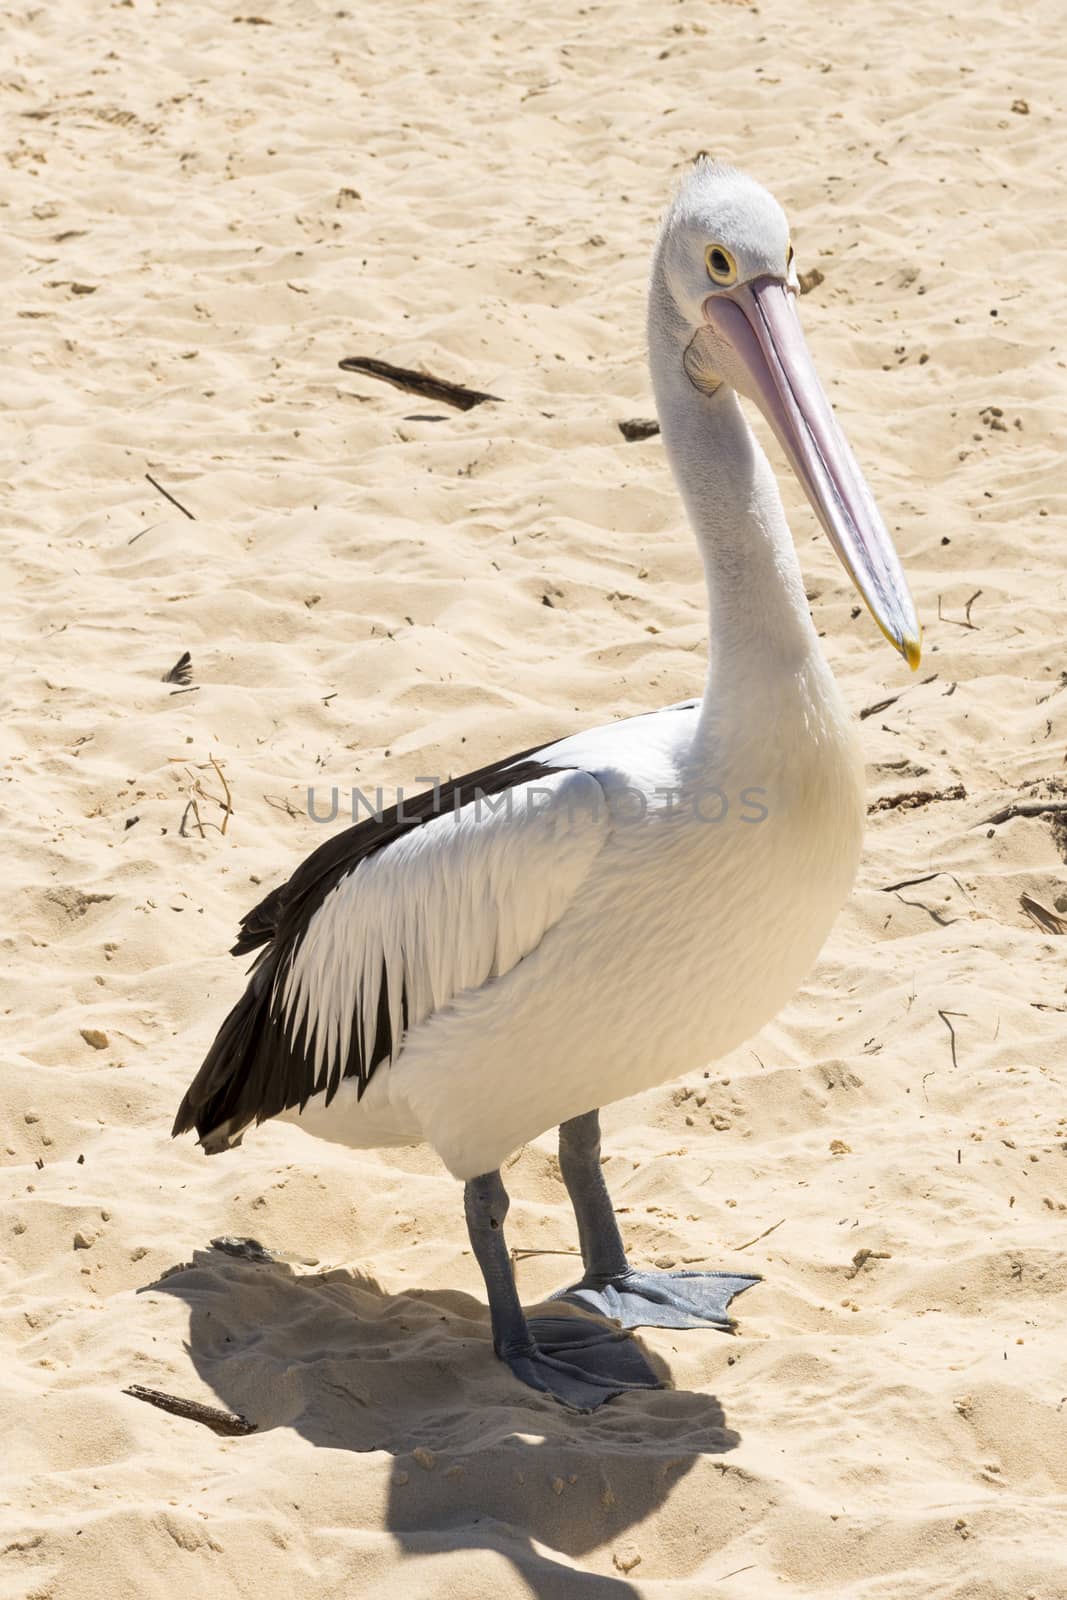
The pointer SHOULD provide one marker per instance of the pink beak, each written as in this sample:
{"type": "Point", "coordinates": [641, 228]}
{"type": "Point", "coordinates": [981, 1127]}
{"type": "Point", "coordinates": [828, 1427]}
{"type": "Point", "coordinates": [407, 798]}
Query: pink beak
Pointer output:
{"type": "Point", "coordinates": [759, 321]}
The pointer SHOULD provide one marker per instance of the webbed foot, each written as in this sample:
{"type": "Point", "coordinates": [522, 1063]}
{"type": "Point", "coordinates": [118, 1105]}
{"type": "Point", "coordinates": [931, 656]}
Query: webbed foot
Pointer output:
{"type": "Point", "coordinates": [660, 1299]}
{"type": "Point", "coordinates": [579, 1362]}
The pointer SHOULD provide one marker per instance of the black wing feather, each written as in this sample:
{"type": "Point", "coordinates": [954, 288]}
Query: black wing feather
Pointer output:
{"type": "Point", "coordinates": [256, 1067]}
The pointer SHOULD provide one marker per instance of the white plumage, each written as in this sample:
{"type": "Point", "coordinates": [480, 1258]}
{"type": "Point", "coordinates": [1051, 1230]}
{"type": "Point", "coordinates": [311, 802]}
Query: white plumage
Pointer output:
{"type": "Point", "coordinates": [448, 907]}
{"type": "Point", "coordinates": [623, 905]}
{"type": "Point", "coordinates": [647, 944]}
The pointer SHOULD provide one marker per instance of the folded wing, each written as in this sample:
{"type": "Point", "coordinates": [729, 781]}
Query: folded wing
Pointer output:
{"type": "Point", "coordinates": [383, 925]}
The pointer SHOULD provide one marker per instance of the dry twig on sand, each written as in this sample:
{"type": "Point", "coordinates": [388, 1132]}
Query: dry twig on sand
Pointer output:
{"type": "Point", "coordinates": [168, 496]}
{"type": "Point", "coordinates": [230, 1424]}
{"type": "Point", "coordinates": [956, 623]}
{"type": "Point", "coordinates": [759, 1236]}
{"type": "Point", "coordinates": [441, 389]}
{"type": "Point", "coordinates": [196, 791]}
{"type": "Point", "coordinates": [1023, 808]}
{"type": "Point", "coordinates": [945, 1015]}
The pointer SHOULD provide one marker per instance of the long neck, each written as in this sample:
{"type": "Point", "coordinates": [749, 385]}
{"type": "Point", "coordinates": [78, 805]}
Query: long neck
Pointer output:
{"type": "Point", "coordinates": [760, 630]}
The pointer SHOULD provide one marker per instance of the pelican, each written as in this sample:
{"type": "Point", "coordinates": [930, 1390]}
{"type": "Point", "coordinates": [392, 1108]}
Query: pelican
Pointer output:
{"type": "Point", "coordinates": [518, 947]}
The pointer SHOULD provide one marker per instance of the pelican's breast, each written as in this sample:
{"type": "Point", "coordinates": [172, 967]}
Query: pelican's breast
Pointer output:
{"type": "Point", "coordinates": [691, 932]}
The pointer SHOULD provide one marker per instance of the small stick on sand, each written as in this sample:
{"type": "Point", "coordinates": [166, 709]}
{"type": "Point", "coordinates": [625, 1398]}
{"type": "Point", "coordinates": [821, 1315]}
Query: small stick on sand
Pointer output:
{"type": "Point", "coordinates": [927, 877]}
{"type": "Point", "coordinates": [524, 1255]}
{"type": "Point", "coordinates": [909, 883]}
{"type": "Point", "coordinates": [883, 705]}
{"type": "Point", "coordinates": [226, 790]}
{"type": "Point", "coordinates": [196, 790]}
{"type": "Point", "coordinates": [1023, 808]}
{"type": "Point", "coordinates": [228, 1423]}
{"type": "Point", "coordinates": [280, 803]}
{"type": "Point", "coordinates": [449, 394]}
{"type": "Point", "coordinates": [956, 623]}
{"type": "Point", "coordinates": [759, 1236]}
{"type": "Point", "coordinates": [168, 496]}
{"type": "Point", "coordinates": [942, 922]}
{"type": "Point", "coordinates": [143, 531]}
{"type": "Point", "coordinates": [191, 806]}
{"type": "Point", "coordinates": [944, 1015]}
{"type": "Point", "coordinates": [879, 705]}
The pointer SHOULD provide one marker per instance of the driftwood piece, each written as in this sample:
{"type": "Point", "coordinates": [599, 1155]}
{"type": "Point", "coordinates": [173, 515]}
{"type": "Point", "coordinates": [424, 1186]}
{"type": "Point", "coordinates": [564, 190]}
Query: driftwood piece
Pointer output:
{"type": "Point", "coordinates": [1025, 808]}
{"type": "Point", "coordinates": [449, 394]}
{"type": "Point", "coordinates": [230, 1424]}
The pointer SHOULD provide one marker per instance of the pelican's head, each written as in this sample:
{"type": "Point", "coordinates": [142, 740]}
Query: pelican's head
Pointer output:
{"type": "Point", "coordinates": [726, 264]}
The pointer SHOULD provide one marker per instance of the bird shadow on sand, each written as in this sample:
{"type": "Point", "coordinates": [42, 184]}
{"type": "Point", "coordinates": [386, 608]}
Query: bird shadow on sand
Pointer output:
{"type": "Point", "coordinates": [480, 1461]}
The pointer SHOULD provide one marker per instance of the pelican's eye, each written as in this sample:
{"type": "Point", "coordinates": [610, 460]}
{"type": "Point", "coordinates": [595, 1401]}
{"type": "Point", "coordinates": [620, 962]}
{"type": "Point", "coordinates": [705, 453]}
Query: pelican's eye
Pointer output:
{"type": "Point", "coordinates": [722, 268]}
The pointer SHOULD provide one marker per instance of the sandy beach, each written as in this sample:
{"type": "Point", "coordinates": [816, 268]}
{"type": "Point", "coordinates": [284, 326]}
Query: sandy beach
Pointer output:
{"type": "Point", "coordinates": [202, 212]}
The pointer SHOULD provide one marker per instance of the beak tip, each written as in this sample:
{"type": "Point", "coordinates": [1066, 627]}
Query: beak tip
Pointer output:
{"type": "Point", "coordinates": [911, 649]}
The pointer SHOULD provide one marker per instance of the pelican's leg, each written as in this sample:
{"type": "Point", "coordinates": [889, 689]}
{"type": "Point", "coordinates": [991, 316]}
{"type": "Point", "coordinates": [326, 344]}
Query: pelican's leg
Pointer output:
{"type": "Point", "coordinates": [610, 1285]}
{"type": "Point", "coordinates": [577, 1361]}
